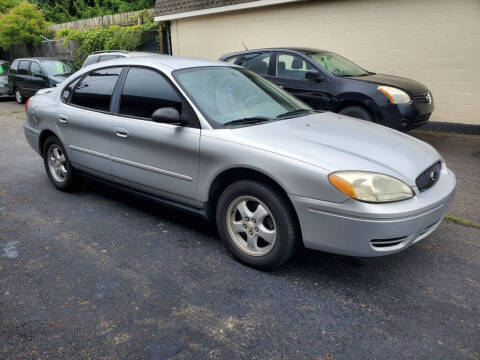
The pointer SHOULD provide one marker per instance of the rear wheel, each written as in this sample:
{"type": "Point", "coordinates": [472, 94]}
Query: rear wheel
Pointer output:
{"type": "Point", "coordinates": [57, 165]}
{"type": "Point", "coordinates": [18, 96]}
{"type": "Point", "coordinates": [357, 112]}
{"type": "Point", "coordinates": [256, 223]}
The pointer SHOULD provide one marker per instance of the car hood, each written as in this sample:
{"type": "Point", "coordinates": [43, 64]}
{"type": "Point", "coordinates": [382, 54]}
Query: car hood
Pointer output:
{"type": "Point", "coordinates": [405, 84]}
{"type": "Point", "coordinates": [335, 142]}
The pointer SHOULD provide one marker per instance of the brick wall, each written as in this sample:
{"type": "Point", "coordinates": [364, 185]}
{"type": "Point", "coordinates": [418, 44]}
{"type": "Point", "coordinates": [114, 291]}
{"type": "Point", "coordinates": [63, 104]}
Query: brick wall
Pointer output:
{"type": "Point", "coordinates": [436, 42]}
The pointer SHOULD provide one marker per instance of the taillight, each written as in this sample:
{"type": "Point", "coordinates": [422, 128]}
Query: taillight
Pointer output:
{"type": "Point", "coordinates": [26, 105]}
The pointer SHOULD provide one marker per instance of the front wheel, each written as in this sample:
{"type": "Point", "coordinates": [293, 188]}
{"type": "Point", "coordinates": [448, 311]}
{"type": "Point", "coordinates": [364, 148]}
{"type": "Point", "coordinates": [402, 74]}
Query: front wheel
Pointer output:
{"type": "Point", "coordinates": [357, 112]}
{"type": "Point", "coordinates": [257, 225]}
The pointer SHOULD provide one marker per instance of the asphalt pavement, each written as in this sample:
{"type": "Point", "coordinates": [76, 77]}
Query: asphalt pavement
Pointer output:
{"type": "Point", "coordinates": [102, 274]}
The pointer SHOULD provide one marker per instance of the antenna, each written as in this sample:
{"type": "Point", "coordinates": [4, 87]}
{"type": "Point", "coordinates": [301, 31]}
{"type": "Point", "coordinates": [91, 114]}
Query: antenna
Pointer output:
{"type": "Point", "coordinates": [245, 46]}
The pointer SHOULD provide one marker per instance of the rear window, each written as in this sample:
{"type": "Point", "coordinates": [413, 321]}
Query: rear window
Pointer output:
{"type": "Point", "coordinates": [4, 68]}
{"type": "Point", "coordinates": [91, 60]}
{"type": "Point", "coordinates": [96, 89]}
{"type": "Point", "coordinates": [23, 67]}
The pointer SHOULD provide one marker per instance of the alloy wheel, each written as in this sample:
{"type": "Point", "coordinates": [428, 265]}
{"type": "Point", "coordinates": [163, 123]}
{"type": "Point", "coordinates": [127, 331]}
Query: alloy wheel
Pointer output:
{"type": "Point", "coordinates": [251, 225]}
{"type": "Point", "coordinates": [57, 163]}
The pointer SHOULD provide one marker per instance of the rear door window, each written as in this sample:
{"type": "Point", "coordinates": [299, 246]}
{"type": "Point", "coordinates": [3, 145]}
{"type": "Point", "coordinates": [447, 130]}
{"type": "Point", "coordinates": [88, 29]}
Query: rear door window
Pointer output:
{"type": "Point", "coordinates": [96, 89]}
{"type": "Point", "coordinates": [108, 57]}
{"type": "Point", "coordinates": [145, 91]}
{"type": "Point", "coordinates": [91, 60]}
{"type": "Point", "coordinates": [258, 63]}
{"type": "Point", "coordinates": [23, 67]}
{"type": "Point", "coordinates": [292, 66]}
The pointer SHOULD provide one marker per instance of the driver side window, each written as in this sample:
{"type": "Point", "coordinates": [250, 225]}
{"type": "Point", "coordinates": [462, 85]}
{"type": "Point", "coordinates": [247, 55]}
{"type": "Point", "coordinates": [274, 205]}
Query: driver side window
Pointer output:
{"type": "Point", "coordinates": [292, 67]}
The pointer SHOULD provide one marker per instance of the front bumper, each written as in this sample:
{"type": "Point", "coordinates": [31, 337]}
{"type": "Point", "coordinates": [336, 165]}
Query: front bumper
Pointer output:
{"type": "Point", "coordinates": [363, 229]}
{"type": "Point", "coordinates": [406, 116]}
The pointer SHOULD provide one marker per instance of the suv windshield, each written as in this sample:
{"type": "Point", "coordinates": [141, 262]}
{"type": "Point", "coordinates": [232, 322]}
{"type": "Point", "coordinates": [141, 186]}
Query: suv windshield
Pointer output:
{"type": "Point", "coordinates": [4, 68]}
{"type": "Point", "coordinates": [59, 67]}
{"type": "Point", "coordinates": [336, 64]}
{"type": "Point", "coordinates": [234, 96]}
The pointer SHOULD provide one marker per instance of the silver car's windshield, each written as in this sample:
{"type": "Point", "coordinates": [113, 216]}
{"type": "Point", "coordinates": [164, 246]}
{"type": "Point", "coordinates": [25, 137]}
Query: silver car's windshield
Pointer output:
{"type": "Point", "coordinates": [229, 96]}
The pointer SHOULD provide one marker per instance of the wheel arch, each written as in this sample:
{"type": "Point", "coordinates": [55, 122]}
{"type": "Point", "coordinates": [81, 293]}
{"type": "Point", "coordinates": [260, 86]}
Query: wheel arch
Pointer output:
{"type": "Point", "coordinates": [44, 135]}
{"type": "Point", "coordinates": [228, 176]}
{"type": "Point", "coordinates": [356, 99]}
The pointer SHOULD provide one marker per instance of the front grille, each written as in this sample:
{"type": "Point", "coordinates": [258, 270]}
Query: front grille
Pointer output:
{"type": "Point", "coordinates": [383, 243]}
{"type": "Point", "coordinates": [423, 98]}
{"type": "Point", "coordinates": [429, 177]}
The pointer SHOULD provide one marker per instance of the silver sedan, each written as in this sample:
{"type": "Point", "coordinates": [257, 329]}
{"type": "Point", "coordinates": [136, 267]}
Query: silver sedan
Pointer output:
{"type": "Point", "coordinates": [217, 140]}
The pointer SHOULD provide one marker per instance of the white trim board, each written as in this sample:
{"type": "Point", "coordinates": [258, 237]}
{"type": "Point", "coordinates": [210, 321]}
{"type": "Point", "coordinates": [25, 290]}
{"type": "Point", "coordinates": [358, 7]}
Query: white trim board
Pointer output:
{"type": "Point", "coordinates": [221, 9]}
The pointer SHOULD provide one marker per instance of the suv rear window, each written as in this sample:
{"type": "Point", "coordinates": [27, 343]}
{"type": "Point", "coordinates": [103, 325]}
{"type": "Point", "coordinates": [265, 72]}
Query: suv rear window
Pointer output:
{"type": "Point", "coordinates": [23, 67]}
{"type": "Point", "coordinates": [96, 89]}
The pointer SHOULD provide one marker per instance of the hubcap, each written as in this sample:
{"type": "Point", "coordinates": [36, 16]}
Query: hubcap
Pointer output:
{"type": "Point", "coordinates": [18, 96]}
{"type": "Point", "coordinates": [57, 163]}
{"type": "Point", "coordinates": [251, 225]}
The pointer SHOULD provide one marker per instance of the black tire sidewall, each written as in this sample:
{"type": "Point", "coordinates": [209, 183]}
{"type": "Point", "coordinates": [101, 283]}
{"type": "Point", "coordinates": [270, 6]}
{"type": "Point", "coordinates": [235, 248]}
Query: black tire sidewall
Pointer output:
{"type": "Point", "coordinates": [357, 112]}
{"type": "Point", "coordinates": [286, 241]}
{"type": "Point", "coordinates": [15, 95]}
{"type": "Point", "coordinates": [67, 185]}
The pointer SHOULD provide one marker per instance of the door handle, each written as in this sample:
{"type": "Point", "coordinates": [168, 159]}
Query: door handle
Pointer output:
{"type": "Point", "coordinates": [62, 119]}
{"type": "Point", "coordinates": [123, 133]}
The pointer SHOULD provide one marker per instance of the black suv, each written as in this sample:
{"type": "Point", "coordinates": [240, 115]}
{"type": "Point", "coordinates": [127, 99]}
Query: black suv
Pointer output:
{"type": "Point", "coordinates": [327, 81]}
{"type": "Point", "coordinates": [27, 76]}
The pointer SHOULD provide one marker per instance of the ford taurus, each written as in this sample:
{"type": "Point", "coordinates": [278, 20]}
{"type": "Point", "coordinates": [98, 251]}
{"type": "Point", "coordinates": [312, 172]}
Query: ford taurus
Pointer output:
{"type": "Point", "coordinates": [218, 140]}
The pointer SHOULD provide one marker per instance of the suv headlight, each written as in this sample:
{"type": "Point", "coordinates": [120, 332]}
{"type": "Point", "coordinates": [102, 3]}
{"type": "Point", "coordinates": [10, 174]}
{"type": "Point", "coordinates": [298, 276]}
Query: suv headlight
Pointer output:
{"type": "Point", "coordinates": [396, 96]}
{"type": "Point", "coordinates": [370, 186]}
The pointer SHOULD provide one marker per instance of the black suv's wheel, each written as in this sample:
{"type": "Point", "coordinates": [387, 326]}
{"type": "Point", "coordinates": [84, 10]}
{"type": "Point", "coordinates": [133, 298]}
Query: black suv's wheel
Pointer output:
{"type": "Point", "coordinates": [357, 112]}
{"type": "Point", "coordinates": [57, 165]}
{"type": "Point", "coordinates": [256, 224]}
{"type": "Point", "coordinates": [18, 96]}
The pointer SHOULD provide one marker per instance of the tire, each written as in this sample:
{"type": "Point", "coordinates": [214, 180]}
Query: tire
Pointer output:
{"type": "Point", "coordinates": [18, 96]}
{"type": "Point", "coordinates": [357, 112]}
{"type": "Point", "coordinates": [58, 166]}
{"type": "Point", "coordinates": [233, 226]}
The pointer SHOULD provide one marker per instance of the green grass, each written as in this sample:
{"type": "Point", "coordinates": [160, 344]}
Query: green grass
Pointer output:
{"type": "Point", "coordinates": [460, 221]}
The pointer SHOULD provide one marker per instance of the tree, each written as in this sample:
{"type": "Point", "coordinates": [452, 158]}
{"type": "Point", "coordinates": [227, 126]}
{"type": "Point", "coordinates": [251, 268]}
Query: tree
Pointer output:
{"type": "Point", "coordinates": [6, 5]}
{"type": "Point", "coordinates": [23, 23]}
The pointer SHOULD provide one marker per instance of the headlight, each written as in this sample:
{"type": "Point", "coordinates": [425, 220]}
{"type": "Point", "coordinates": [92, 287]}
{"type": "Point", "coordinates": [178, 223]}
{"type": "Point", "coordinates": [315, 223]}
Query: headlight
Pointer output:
{"type": "Point", "coordinates": [396, 96]}
{"type": "Point", "coordinates": [370, 187]}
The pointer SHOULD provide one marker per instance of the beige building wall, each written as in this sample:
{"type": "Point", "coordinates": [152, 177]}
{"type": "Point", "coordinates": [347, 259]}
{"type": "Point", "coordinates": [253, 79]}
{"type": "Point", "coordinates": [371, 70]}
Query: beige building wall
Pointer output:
{"type": "Point", "coordinates": [436, 42]}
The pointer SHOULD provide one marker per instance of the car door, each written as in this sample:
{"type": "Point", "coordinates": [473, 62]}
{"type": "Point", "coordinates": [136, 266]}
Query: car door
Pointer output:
{"type": "Point", "coordinates": [38, 78]}
{"type": "Point", "coordinates": [85, 121]}
{"type": "Point", "coordinates": [289, 73]}
{"type": "Point", "coordinates": [23, 74]}
{"type": "Point", "coordinates": [158, 158]}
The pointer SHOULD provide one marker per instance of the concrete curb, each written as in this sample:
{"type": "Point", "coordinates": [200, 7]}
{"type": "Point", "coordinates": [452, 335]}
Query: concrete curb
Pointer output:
{"type": "Point", "coordinates": [451, 127]}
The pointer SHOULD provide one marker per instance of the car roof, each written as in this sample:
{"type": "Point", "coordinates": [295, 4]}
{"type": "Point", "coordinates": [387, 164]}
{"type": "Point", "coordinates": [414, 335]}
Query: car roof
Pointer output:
{"type": "Point", "coordinates": [166, 62]}
{"type": "Point", "coordinates": [121, 52]}
{"type": "Point", "coordinates": [41, 58]}
{"type": "Point", "coordinates": [303, 50]}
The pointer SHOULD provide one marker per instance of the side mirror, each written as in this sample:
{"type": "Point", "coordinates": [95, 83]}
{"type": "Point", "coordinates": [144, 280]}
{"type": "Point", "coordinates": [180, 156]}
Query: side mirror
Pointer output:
{"type": "Point", "coordinates": [167, 115]}
{"type": "Point", "coordinates": [314, 75]}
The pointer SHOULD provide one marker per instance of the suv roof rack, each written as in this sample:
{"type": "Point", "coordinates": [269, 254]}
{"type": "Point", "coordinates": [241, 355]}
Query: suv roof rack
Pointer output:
{"type": "Point", "coordinates": [108, 51]}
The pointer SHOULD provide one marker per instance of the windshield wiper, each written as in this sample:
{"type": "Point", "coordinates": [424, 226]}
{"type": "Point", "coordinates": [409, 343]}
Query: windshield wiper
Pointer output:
{"type": "Point", "coordinates": [293, 112]}
{"type": "Point", "coordinates": [249, 120]}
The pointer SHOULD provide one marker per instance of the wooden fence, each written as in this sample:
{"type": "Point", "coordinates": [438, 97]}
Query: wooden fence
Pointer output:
{"type": "Point", "coordinates": [124, 19]}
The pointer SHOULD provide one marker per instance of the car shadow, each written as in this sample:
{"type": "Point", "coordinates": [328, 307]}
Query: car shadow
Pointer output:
{"type": "Point", "coordinates": [312, 266]}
